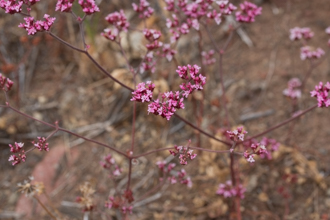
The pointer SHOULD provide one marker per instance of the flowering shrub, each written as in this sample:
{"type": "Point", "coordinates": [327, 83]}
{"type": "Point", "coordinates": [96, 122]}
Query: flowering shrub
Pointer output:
{"type": "Point", "coordinates": [184, 17]}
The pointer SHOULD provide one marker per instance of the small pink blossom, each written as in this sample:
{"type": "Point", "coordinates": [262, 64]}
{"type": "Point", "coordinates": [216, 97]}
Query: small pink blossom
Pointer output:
{"type": "Point", "coordinates": [110, 34]}
{"type": "Point", "coordinates": [118, 19]}
{"type": "Point", "coordinates": [89, 6]}
{"type": "Point", "coordinates": [143, 9]}
{"type": "Point", "coordinates": [168, 52]}
{"type": "Point", "coordinates": [11, 6]}
{"type": "Point", "coordinates": [321, 92]}
{"type": "Point", "coordinates": [18, 155]}
{"type": "Point", "coordinates": [143, 92]}
{"type": "Point", "coordinates": [64, 5]}
{"type": "Point", "coordinates": [248, 12]}
{"type": "Point", "coordinates": [214, 15]}
{"type": "Point", "coordinates": [5, 83]}
{"type": "Point", "coordinates": [299, 33]}
{"type": "Point", "coordinates": [110, 164]}
{"type": "Point", "coordinates": [237, 134]}
{"type": "Point", "coordinates": [227, 190]}
{"type": "Point", "coordinates": [169, 5]}
{"type": "Point", "coordinates": [292, 91]}
{"type": "Point", "coordinates": [184, 154]}
{"type": "Point", "coordinates": [208, 58]}
{"type": "Point", "coordinates": [41, 144]}
{"type": "Point", "coordinates": [32, 27]}
{"type": "Point", "coordinates": [271, 145]}
{"type": "Point", "coordinates": [148, 63]}
{"type": "Point", "coordinates": [308, 52]}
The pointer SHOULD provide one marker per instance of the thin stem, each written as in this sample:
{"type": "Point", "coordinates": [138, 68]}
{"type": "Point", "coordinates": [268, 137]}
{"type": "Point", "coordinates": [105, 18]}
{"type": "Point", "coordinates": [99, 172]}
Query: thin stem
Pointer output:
{"type": "Point", "coordinates": [195, 148]}
{"type": "Point", "coordinates": [45, 208]}
{"type": "Point", "coordinates": [223, 96]}
{"type": "Point", "coordinates": [92, 59]}
{"type": "Point", "coordinates": [202, 131]}
{"type": "Point", "coordinates": [281, 123]}
{"type": "Point", "coordinates": [66, 43]}
{"type": "Point", "coordinates": [129, 173]}
{"type": "Point", "coordinates": [64, 130]}
{"type": "Point", "coordinates": [125, 57]}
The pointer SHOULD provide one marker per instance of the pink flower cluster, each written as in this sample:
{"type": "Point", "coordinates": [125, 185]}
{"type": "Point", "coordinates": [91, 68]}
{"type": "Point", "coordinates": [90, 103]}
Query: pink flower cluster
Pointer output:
{"type": "Point", "coordinates": [168, 52]}
{"type": "Point", "coordinates": [292, 91]}
{"type": "Point", "coordinates": [257, 149]}
{"type": "Point", "coordinates": [14, 6]}
{"type": "Point", "coordinates": [152, 36]}
{"type": "Point", "coordinates": [237, 134]}
{"type": "Point", "coordinates": [143, 92]}
{"type": "Point", "coordinates": [5, 83]}
{"type": "Point", "coordinates": [194, 12]}
{"type": "Point", "coordinates": [208, 58]}
{"type": "Point", "coordinates": [248, 12]}
{"type": "Point", "coordinates": [301, 33]}
{"type": "Point", "coordinates": [184, 154]}
{"type": "Point", "coordinates": [41, 144]}
{"type": "Point", "coordinates": [170, 101]}
{"type": "Point", "coordinates": [64, 5]}
{"type": "Point", "coordinates": [89, 6]}
{"type": "Point", "coordinates": [271, 145]}
{"type": "Point", "coordinates": [162, 166]}
{"type": "Point", "coordinates": [180, 177]}
{"type": "Point", "coordinates": [225, 8]}
{"type": "Point", "coordinates": [119, 22]}
{"type": "Point", "coordinates": [18, 153]}
{"type": "Point", "coordinates": [118, 203]}
{"type": "Point", "coordinates": [110, 164]}
{"type": "Point", "coordinates": [148, 63]}
{"type": "Point", "coordinates": [321, 92]}
{"type": "Point", "coordinates": [308, 52]}
{"type": "Point", "coordinates": [184, 179]}
{"type": "Point", "coordinates": [121, 202]}
{"type": "Point", "coordinates": [227, 190]}
{"type": "Point", "coordinates": [143, 9]}
{"type": "Point", "coordinates": [32, 27]}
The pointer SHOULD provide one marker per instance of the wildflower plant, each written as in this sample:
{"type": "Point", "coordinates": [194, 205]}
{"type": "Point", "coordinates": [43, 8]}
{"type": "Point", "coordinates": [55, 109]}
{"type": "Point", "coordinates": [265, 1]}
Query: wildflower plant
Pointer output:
{"type": "Point", "coordinates": [184, 17]}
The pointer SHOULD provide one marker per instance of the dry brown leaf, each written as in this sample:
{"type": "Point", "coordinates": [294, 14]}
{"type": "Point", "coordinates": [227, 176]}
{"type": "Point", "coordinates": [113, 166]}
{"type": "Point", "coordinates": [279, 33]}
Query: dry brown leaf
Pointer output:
{"type": "Point", "coordinates": [263, 197]}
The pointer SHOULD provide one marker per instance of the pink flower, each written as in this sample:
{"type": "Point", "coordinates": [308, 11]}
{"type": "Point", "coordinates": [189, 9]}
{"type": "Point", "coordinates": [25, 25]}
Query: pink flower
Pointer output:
{"type": "Point", "coordinates": [110, 34]}
{"type": "Point", "coordinates": [143, 9]}
{"type": "Point", "coordinates": [89, 6]}
{"type": "Point", "coordinates": [32, 27]}
{"type": "Point", "coordinates": [118, 19]}
{"type": "Point", "coordinates": [109, 163]}
{"type": "Point", "coordinates": [64, 5]}
{"type": "Point", "coordinates": [321, 92]}
{"type": "Point", "coordinates": [11, 6]}
{"type": "Point", "coordinates": [168, 52]}
{"type": "Point", "coordinates": [5, 83]}
{"type": "Point", "coordinates": [208, 58]}
{"type": "Point", "coordinates": [226, 189]}
{"type": "Point", "coordinates": [184, 154]}
{"type": "Point", "coordinates": [292, 90]}
{"type": "Point", "coordinates": [299, 33]}
{"type": "Point", "coordinates": [41, 144]}
{"type": "Point", "coordinates": [308, 52]}
{"type": "Point", "coordinates": [18, 155]}
{"type": "Point", "coordinates": [143, 92]}
{"type": "Point", "coordinates": [248, 12]}
{"type": "Point", "coordinates": [237, 134]}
